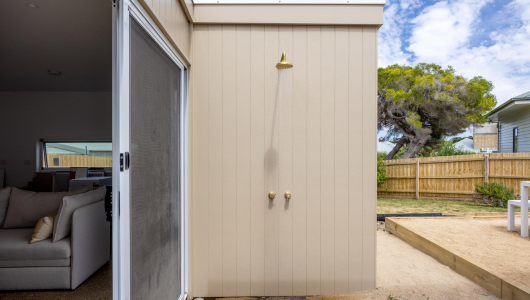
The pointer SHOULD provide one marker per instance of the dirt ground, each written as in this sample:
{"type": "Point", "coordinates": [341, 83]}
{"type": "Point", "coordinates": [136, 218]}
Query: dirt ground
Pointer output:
{"type": "Point", "coordinates": [406, 273]}
{"type": "Point", "coordinates": [484, 241]}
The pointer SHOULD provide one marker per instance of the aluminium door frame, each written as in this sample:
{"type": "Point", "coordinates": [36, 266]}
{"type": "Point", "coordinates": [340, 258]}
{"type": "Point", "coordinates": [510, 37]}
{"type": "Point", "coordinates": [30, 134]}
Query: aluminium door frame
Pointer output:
{"type": "Point", "coordinates": [123, 11]}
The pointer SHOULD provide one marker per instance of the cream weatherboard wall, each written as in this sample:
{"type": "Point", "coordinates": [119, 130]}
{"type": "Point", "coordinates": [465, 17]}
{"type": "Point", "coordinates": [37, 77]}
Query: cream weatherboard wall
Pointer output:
{"type": "Point", "coordinates": [322, 149]}
{"type": "Point", "coordinates": [172, 20]}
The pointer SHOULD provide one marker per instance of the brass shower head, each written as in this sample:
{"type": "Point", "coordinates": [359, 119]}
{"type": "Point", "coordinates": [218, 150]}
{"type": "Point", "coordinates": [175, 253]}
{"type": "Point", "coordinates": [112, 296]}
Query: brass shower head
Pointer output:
{"type": "Point", "coordinates": [284, 64]}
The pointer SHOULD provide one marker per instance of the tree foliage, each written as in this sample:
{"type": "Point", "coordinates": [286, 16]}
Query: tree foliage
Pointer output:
{"type": "Point", "coordinates": [382, 176]}
{"type": "Point", "coordinates": [447, 148]}
{"type": "Point", "coordinates": [421, 105]}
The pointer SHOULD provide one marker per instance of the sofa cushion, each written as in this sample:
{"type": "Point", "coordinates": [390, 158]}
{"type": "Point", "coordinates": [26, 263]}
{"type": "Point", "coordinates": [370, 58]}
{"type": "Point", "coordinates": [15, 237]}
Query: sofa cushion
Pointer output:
{"type": "Point", "coordinates": [27, 208]}
{"type": "Point", "coordinates": [44, 229]}
{"type": "Point", "coordinates": [4, 201]}
{"type": "Point", "coordinates": [63, 221]}
{"type": "Point", "coordinates": [15, 250]}
{"type": "Point", "coordinates": [35, 263]}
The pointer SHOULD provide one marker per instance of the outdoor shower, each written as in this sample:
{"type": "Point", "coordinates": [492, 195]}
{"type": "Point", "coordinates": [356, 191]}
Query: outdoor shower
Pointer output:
{"type": "Point", "coordinates": [284, 64]}
{"type": "Point", "coordinates": [283, 102]}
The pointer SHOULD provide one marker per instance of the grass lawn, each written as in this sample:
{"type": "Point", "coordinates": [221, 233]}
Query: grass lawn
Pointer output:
{"type": "Point", "coordinates": [395, 206]}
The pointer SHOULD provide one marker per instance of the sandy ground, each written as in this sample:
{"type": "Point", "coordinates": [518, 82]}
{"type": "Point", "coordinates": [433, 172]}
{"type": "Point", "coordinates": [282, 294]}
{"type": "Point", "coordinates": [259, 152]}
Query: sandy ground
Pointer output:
{"type": "Point", "coordinates": [484, 241]}
{"type": "Point", "coordinates": [402, 271]}
{"type": "Point", "coordinates": [407, 273]}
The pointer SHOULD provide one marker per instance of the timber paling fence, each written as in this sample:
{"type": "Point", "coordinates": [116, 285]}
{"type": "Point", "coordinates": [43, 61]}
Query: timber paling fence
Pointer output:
{"type": "Point", "coordinates": [64, 160]}
{"type": "Point", "coordinates": [453, 177]}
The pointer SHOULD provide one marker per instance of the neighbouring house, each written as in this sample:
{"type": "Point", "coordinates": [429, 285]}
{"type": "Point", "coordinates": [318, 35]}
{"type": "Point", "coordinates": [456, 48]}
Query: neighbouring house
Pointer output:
{"type": "Point", "coordinates": [466, 145]}
{"type": "Point", "coordinates": [485, 137]}
{"type": "Point", "coordinates": [513, 119]}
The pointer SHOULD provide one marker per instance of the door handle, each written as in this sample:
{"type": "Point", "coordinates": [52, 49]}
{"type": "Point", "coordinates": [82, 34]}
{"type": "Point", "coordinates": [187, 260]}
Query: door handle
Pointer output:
{"type": "Point", "coordinates": [288, 195]}
{"type": "Point", "coordinates": [272, 195]}
{"type": "Point", "coordinates": [125, 161]}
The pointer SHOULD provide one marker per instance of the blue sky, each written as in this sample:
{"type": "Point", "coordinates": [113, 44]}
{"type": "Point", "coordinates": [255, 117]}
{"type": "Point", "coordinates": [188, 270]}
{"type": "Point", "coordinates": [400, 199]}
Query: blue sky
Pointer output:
{"type": "Point", "coordinates": [488, 38]}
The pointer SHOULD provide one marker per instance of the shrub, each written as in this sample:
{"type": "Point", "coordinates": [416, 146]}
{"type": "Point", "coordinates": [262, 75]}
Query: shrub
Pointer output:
{"type": "Point", "coordinates": [381, 171]}
{"type": "Point", "coordinates": [496, 193]}
{"type": "Point", "coordinates": [446, 149]}
{"type": "Point", "coordinates": [381, 155]}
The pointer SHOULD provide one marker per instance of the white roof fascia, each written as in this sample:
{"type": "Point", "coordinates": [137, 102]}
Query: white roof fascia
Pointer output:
{"type": "Point", "coordinates": [522, 102]}
{"type": "Point", "coordinates": [495, 117]}
{"type": "Point", "coordinates": [289, 2]}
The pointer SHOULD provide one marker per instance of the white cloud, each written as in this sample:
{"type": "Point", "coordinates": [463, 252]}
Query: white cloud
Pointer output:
{"type": "Point", "coordinates": [390, 34]}
{"type": "Point", "coordinates": [409, 4]}
{"type": "Point", "coordinates": [442, 32]}
{"type": "Point", "coordinates": [443, 28]}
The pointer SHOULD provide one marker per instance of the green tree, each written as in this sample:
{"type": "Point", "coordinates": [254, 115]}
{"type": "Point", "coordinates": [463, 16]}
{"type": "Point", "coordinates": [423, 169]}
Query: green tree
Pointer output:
{"type": "Point", "coordinates": [421, 105]}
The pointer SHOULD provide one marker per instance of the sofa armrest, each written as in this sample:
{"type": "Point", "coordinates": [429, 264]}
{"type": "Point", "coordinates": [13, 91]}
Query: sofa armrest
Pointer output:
{"type": "Point", "coordinates": [90, 241]}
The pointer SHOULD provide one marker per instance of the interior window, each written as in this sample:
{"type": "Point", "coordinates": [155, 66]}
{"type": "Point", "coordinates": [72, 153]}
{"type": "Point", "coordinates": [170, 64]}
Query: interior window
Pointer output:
{"type": "Point", "coordinates": [76, 154]}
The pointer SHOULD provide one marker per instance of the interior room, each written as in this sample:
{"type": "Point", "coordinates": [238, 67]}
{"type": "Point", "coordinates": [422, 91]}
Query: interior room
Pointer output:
{"type": "Point", "coordinates": [56, 137]}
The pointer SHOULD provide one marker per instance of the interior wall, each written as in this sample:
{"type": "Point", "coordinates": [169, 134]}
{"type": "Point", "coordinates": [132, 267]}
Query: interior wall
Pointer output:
{"type": "Point", "coordinates": [26, 117]}
{"type": "Point", "coordinates": [322, 242]}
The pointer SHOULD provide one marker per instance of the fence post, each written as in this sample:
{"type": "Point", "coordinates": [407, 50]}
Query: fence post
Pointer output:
{"type": "Point", "coordinates": [418, 179]}
{"type": "Point", "coordinates": [486, 168]}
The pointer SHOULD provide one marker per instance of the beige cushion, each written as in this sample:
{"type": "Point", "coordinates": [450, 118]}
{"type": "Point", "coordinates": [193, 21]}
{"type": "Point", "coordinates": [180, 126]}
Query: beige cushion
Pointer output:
{"type": "Point", "coordinates": [4, 201]}
{"type": "Point", "coordinates": [27, 208]}
{"type": "Point", "coordinates": [63, 220]}
{"type": "Point", "coordinates": [44, 229]}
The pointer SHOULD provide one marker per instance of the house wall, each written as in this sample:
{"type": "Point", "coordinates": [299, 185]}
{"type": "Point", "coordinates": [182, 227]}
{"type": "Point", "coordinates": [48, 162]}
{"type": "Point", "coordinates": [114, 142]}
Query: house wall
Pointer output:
{"type": "Point", "coordinates": [521, 120]}
{"type": "Point", "coordinates": [286, 14]}
{"type": "Point", "coordinates": [485, 140]}
{"type": "Point", "coordinates": [322, 149]}
{"type": "Point", "coordinates": [240, 243]}
{"type": "Point", "coordinates": [26, 117]}
{"type": "Point", "coordinates": [486, 128]}
{"type": "Point", "coordinates": [172, 20]}
{"type": "Point", "coordinates": [188, 8]}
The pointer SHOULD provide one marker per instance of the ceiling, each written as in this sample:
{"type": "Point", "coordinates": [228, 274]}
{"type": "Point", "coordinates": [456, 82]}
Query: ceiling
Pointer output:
{"type": "Point", "coordinates": [73, 37]}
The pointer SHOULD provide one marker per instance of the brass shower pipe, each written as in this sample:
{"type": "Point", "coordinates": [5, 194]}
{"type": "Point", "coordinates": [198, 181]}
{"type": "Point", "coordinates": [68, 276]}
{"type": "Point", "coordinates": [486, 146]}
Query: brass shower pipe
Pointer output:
{"type": "Point", "coordinates": [283, 64]}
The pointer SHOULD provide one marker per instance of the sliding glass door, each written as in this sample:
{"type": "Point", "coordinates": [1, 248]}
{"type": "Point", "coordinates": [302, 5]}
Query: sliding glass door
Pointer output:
{"type": "Point", "coordinates": [150, 101]}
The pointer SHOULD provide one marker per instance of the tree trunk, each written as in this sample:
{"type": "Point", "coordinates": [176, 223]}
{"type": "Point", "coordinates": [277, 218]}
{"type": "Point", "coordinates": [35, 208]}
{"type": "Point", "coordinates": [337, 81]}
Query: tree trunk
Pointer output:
{"type": "Point", "coordinates": [396, 148]}
{"type": "Point", "coordinates": [415, 146]}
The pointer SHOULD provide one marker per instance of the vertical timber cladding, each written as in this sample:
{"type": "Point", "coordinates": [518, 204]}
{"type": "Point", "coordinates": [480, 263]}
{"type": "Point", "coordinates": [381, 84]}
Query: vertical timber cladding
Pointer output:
{"type": "Point", "coordinates": [323, 240]}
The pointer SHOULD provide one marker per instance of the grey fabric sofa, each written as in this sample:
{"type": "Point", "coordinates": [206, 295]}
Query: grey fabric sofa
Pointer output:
{"type": "Point", "coordinates": [61, 265]}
